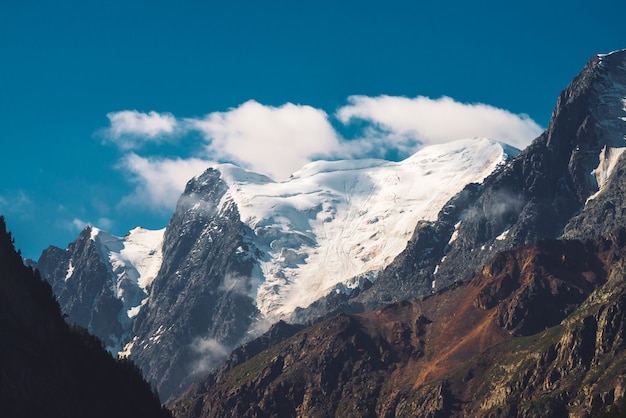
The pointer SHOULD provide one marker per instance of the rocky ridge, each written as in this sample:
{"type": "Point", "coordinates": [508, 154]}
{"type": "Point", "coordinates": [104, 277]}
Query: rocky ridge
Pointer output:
{"type": "Point", "coordinates": [517, 311]}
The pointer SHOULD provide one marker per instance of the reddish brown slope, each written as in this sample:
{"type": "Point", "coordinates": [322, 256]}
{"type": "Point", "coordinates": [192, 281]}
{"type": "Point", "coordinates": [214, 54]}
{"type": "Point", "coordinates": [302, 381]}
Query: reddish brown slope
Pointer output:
{"type": "Point", "coordinates": [423, 358]}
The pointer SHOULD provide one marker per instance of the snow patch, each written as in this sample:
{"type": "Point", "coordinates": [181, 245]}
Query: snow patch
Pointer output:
{"type": "Point", "coordinates": [70, 271]}
{"type": "Point", "coordinates": [126, 352]}
{"type": "Point", "coordinates": [504, 233]}
{"type": "Point", "coordinates": [609, 156]}
{"type": "Point", "coordinates": [455, 233]}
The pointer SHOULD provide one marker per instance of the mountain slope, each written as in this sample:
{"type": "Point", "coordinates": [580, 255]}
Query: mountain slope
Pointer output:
{"type": "Point", "coordinates": [241, 251]}
{"type": "Point", "coordinates": [50, 369]}
{"type": "Point", "coordinates": [478, 349]}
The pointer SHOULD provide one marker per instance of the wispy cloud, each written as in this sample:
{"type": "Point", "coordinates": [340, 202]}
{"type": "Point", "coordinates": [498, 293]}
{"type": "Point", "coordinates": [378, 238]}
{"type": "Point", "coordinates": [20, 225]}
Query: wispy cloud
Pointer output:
{"type": "Point", "coordinates": [130, 129]}
{"type": "Point", "coordinates": [209, 354]}
{"type": "Point", "coordinates": [16, 203]}
{"type": "Point", "coordinates": [159, 182]}
{"type": "Point", "coordinates": [409, 121]}
{"type": "Point", "coordinates": [77, 224]}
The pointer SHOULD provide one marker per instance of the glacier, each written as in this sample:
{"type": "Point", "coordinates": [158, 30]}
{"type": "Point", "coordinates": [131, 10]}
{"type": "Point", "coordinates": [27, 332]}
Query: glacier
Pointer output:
{"type": "Point", "coordinates": [333, 224]}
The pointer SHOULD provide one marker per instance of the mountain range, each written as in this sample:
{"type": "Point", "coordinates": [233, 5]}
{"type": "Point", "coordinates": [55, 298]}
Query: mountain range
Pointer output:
{"type": "Point", "coordinates": [471, 279]}
{"type": "Point", "coordinates": [242, 252]}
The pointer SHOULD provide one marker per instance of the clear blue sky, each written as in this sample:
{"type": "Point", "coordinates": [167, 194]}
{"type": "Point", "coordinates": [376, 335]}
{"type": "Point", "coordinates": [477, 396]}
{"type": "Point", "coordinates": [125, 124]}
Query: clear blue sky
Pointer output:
{"type": "Point", "coordinates": [66, 65]}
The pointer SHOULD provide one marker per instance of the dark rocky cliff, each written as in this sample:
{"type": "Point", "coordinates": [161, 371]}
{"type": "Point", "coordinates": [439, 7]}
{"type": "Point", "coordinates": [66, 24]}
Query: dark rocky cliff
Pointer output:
{"type": "Point", "coordinates": [200, 304]}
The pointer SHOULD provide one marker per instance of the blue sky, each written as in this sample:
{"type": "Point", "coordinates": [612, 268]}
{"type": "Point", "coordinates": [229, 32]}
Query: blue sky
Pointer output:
{"type": "Point", "coordinates": [106, 106]}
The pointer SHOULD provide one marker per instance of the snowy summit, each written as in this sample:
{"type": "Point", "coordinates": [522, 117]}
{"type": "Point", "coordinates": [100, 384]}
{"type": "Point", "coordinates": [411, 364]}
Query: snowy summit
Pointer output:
{"type": "Point", "coordinates": [334, 224]}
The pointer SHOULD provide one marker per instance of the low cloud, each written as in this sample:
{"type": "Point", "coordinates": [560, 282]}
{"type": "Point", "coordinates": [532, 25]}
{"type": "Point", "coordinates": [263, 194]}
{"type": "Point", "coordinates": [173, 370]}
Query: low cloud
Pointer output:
{"type": "Point", "coordinates": [130, 129]}
{"type": "Point", "coordinates": [210, 353]}
{"type": "Point", "coordinates": [235, 284]}
{"type": "Point", "coordinates": [421, 120]}
{"type": "Point", "coordinates": [259, 327]}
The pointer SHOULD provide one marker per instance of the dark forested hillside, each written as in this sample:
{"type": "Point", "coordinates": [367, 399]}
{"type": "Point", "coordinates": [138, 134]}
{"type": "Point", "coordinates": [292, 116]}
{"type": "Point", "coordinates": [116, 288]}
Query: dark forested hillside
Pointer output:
{"type": "Point", "coordinates": [50, 369]}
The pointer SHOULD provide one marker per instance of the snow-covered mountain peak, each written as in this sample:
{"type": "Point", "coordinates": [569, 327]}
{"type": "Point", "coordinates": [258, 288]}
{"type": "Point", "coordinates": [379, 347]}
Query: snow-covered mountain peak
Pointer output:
{"type": "Point", "coordinates": [334, 223]}
{"type": "Point", "coordinates": [134, 260]}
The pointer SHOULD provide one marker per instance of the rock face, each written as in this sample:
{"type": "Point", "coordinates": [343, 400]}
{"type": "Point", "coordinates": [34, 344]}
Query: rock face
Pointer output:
{"type": "Point", "coordinates": [175, 302]}
{"type": "Point", "coordinates": [50, 369]}
{"type": "Point", "coordinates": [102, 281]}
{"type": "Point", "coordinates": [201, 302]}
{"type": "Point", "coordinates": [538, 331]}
{"type": "Point", "coordinates": [87, 297]}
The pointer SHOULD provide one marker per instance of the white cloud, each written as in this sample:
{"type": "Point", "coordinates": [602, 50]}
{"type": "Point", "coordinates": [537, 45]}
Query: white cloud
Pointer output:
{"type": "Point", "coordinates": [236, 284]}
{"type": "Point", "coordinates": [277, 141]}
{"type": "Point", "coordinates": [79, 224]}
{"type": "Point", "coordinates": [130, 129]}
{"type": "Point", "coordinates": [159, 182]}
{"type": "Point", "coordinates": [271, 140]}
{"type": "Point", "coordinates": [403, 120]}
{"type": "Point", "coordinates": [210, 353]}
{"type": "Point", "coordinates": [105, 223]}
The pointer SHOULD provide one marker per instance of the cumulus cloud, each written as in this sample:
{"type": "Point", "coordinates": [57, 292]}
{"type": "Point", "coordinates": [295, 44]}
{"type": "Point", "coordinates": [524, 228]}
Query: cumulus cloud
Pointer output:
{"type": "Point", "coordinates": [407, 121]}
{"type": "Point", "coordinates": [278, 141]}
{"type": "Point", "coordinates": [271, 140]}
{"type": "Point", "coordinates": [130, 129]}
{"type": "Point", "coordinates": [158, 181]}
